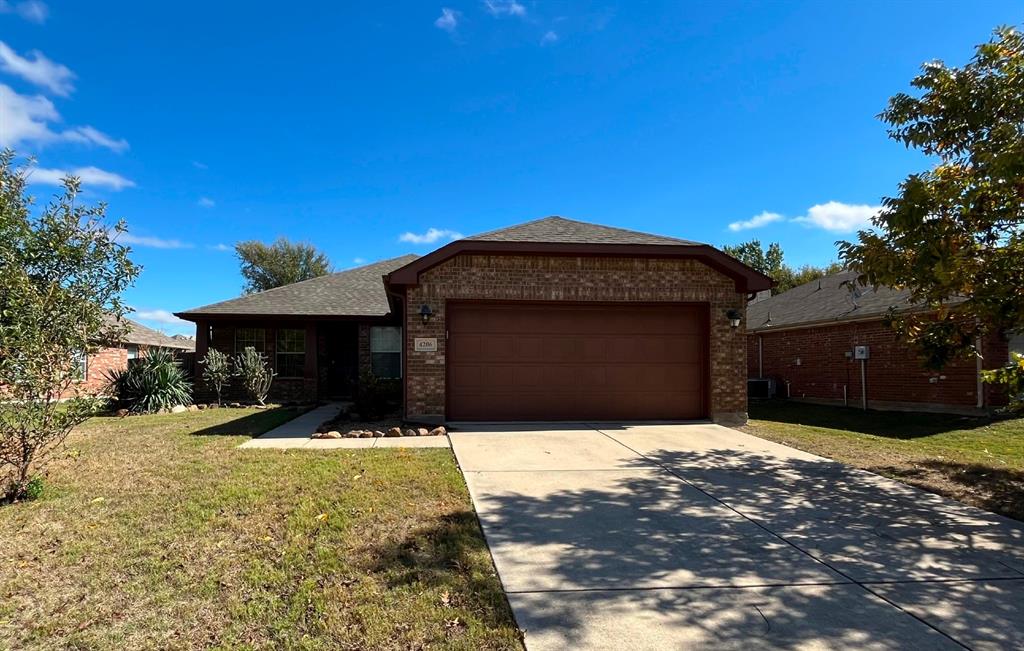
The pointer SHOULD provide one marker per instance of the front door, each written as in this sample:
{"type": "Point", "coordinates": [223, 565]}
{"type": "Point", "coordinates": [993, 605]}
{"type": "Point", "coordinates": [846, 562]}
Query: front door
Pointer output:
{"type": "Point", "coordinates": [339, 363]}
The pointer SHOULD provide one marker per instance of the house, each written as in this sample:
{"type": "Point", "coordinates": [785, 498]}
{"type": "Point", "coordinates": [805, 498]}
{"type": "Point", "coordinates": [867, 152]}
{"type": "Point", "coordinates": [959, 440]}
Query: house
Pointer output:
{"type": "Point", "coordinates": [94, 368]}
{"type": "Point", "coordinates": [553, 319]}
{"type": "Point", "coordinates": [807, 339]}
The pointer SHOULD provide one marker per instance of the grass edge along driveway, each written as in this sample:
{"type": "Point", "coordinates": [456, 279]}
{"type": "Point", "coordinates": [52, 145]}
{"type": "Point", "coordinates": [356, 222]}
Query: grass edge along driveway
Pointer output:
{"type": "Point", "coordinates": [978, 461]}
{"type": "Point", "coordinates": [157, 532]}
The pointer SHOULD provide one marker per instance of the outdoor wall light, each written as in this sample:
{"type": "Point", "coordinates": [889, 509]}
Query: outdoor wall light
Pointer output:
{"type": "Point", "coordinates": [425, 313]}
{"type": "Point", "coordinates": [734, 317]}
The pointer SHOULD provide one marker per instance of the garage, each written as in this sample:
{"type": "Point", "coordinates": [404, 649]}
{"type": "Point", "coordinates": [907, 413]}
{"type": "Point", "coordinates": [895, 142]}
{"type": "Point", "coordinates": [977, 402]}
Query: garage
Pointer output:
{"type": "Point", "coordinates": [576, 361]}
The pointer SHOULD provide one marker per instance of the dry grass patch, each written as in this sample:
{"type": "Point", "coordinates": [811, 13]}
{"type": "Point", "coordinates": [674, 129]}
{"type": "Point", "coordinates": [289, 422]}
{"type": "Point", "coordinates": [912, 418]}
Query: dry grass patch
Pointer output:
{"type": "Point", "coordinates": [157, 532]}
{"type": "Point", "coordinates": [977, 461]}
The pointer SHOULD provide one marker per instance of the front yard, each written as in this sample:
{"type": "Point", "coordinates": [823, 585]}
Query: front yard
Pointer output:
{"type": "Point", "coordinates": [973, 460]}
{"type": "Point", "coordinates": [156, 532]}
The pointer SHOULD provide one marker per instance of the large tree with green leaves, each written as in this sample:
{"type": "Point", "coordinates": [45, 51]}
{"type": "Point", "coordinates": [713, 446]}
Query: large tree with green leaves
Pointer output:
{"type": "Point", "coordinates": [61, 277]}
{"type": "Point", "coordinates": [771, 262]}
{"type": "Point", "coordinates": [953, 233]}
{"type": "Point", "coordinates": [265, 266]}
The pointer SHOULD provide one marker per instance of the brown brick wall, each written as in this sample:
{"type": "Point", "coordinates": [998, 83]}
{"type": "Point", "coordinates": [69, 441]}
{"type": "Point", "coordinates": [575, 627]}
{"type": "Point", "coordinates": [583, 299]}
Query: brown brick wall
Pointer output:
{"type": "Point", "coordinates": [894, 374]}
{"type": "Point", "coordinates": [573, 279]}
{"type": "Point", "coordinates": [98, 366]}
{"type": "Point", "coordinates": [222, 338]}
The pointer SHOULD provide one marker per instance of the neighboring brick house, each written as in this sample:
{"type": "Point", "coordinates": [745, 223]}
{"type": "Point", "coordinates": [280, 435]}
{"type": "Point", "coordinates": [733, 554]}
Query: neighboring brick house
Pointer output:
{"type": "Point", "coordinates": [553, 319]}
{"type": "Point", "coordinates": [95, 368]}
{"type": "Point", "coordinates": [804, 339]}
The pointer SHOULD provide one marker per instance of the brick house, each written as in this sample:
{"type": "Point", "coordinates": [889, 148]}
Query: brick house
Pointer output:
{"type": "Point", "coordinates": [94, 368]}
{"type": "Point", "coordinates": [553, 319]}
{"type": "Point", "coordinates": [805, 340]}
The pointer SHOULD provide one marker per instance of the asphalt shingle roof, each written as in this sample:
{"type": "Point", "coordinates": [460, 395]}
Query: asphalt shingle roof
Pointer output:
{"type": "Point", "coordinates": [834, 298]}
{"type": "Point", "coordinates": [140, 335]}
{"type": "Point", "coordinates": [567, 231]}
{"type": "Point", "coordinates": [354, 292]}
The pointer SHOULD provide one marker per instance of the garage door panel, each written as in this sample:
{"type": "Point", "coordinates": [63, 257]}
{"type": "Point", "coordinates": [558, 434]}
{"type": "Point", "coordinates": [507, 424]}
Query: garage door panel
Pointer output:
{"type": "Point", "coordinates": [575, 362]}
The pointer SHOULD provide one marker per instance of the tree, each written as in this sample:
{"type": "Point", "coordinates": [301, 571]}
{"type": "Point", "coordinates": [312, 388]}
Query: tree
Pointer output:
{"type": "Point", "coordinates": [953, 234]}
{"type": "Point", "coordinates": [61, 277]}
{"type": "Point", "coordinates": [217, 370]}
{"type": "Point", "coordinates": [281, 263]}
{"type": "Point", "coordinates": [770, 262]}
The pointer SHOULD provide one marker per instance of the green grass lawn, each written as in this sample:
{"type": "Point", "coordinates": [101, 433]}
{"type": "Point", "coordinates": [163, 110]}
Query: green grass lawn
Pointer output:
{"type": "Point", "coordinates": [156, 532]}
{"type": "Point", "coordinates": [974, 460]}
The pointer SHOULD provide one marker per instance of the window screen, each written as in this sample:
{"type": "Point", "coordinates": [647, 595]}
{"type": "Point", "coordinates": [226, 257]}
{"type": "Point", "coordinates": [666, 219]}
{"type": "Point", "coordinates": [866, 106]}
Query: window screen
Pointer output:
{"type": "Point", "coordinates": [291, 352]}
{"type": "Point", "coordinates": [386, 351]}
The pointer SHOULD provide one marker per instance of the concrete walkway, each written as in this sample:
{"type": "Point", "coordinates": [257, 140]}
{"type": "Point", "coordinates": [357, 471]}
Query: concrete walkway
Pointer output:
{"type": "Point", "coordinates": [698, 536]}
{"type": "Point", "coordinates": [296, 433]}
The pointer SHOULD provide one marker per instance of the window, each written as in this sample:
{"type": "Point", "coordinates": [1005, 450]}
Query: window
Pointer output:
{"type": "Point", "coordinates": [386, 351]}
{"type": "Point", "coordinates": [133, 352]}
{"type": "Point", "coordinates": [291, 352]}
{"type": "Point", "coordinates": [254, 337]}
{"type": "Point", "coordinates": [80, 370]}
{"type": "Point", "coordinates": [1016, 343]}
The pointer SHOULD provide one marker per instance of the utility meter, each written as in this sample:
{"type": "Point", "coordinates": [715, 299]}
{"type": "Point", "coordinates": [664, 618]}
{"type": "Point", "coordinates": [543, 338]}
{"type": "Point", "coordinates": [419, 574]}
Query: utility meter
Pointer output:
{"type": "Point", "coordinates": [861, 352]}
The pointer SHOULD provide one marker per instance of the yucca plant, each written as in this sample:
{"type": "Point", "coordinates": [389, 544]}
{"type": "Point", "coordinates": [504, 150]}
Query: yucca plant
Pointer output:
{"type": "Point", "coordinates": [152, 383]}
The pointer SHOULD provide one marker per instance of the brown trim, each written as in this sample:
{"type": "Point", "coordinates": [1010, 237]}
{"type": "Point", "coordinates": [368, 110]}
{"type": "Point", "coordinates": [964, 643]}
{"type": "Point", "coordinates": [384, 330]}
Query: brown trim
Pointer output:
{"type": "Point", "coordinates": [747, 279]}
{"type": "Point", "coordinates": [197, 316]}
{"type": "Point", "coordinates": [706, 348]}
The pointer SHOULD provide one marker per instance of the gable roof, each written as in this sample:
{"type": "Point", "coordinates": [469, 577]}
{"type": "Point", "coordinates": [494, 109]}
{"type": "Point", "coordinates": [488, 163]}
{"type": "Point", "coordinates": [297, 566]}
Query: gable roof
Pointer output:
{"type": "Point", "coordinates": [140, 335]}
{"type": "Point", "coordinates": [570, 231]}
{"type": "Point", "coordinates": [561, 236]}
{"type": "Point", "coordinates": [832, 299]}
{"type": "Point", "coordinates": [354, 292]}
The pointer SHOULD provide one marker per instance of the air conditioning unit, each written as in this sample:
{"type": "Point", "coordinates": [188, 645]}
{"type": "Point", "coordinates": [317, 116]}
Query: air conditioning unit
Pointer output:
{"type": "Point", "coordinates": [760, 388]}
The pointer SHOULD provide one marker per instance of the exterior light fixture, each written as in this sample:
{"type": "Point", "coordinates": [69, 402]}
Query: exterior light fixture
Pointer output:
{"type": "Point", "coordinates": [425, 313]}
{"type": "Point", "coordinates": [734, 317]}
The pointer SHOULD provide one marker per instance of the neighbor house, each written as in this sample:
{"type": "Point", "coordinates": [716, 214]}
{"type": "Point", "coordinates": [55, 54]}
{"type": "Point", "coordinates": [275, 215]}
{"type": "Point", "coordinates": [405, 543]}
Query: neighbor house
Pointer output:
{"type": "Point", "coordinates": [94, 369]}
{"type": "Point", "coordinates": [553, 319]}
{"type": "Point", "coordinates": [808, 342]}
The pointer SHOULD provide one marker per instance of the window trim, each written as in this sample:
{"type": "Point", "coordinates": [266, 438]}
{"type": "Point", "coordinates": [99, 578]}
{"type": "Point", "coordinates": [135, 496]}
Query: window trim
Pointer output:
{"type": "Point", "coordinates": [82, 363]}
{"type": "Point", "coordinates": [278, 352]}
{"type": "Point", "coordinates": [400, 352]}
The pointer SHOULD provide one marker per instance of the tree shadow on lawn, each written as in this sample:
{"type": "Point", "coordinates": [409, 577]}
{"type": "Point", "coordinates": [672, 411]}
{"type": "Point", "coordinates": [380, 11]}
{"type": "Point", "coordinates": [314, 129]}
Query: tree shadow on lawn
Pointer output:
{"type": "Point", "coordinates": [993, 489]}
{"type": "Point", "coordinates": [448, 552]}
{"type": "Point", "coordinates": [251, 424]}
{"type": "Point", "coordinates": [899, 425]}
{"type": "Point", "coordinates": [643, 540]}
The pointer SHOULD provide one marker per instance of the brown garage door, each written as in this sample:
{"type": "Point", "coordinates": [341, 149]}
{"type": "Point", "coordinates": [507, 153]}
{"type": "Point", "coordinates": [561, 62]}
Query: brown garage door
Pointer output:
{"type": "Point", "coordinates": [573, 362]}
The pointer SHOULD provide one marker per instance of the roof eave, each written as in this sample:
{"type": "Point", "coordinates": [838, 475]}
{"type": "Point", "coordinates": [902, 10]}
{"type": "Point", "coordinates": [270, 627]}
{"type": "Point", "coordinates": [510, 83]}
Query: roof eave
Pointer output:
{"type": "Point", "coordinates": [745, 278]}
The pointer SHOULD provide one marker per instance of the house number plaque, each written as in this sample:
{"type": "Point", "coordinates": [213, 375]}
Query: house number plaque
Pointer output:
{"type": "Point", "coordinates": [425, 344]}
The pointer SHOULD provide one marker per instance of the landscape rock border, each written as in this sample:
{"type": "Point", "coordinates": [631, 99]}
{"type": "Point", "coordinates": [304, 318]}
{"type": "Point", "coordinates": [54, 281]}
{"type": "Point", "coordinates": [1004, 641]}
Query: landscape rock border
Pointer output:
{"type": "Point", "coordinates": [393, 432]}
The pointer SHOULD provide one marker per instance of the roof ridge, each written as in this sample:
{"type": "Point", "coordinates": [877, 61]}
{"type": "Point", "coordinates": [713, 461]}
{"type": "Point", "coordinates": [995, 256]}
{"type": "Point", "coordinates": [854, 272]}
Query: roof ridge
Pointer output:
{"type": "Point", "coordinates": [526, 223]}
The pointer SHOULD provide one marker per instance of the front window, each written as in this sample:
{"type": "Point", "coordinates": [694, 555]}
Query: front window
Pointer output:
{"type": "Point", "coordinates": [250, 338]}
{"type": "Point", "coordinates": [133, 352]}
{"type": "Point", "coordinates": [291, 352]}
{"type": "Point", "coordinates": [386, 351]}
{"type": "Point", "coordinates": [80, 368]}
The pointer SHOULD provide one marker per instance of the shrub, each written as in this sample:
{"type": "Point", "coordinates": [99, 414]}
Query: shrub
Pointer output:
{"type": "Point", "coordinates": [217, 370]}
{"type": "Point", "coordinates": [1011, 378]}
{"type": "Point", "coordinates": [34, 488]}
{"type": "Point", "coordinates": [377, 397]}
{"type": "Point", "coordinates": [152, 383]}
{"type": "Point", "coordinates": [256, 375]}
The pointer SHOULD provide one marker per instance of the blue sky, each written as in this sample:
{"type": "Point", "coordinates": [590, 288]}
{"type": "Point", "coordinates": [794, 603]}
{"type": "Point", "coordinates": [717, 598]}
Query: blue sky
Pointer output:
{"type": "Point", "coordinates": [350, 124]}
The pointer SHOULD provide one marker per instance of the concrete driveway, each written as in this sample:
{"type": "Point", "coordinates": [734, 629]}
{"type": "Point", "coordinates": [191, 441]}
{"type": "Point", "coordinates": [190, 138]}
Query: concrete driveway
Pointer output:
{"type": "Point", "coordinates": [699, 536]}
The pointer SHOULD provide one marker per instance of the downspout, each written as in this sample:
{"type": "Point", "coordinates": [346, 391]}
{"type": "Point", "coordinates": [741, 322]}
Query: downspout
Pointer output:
{"type": "Point", "coordinates": [977, 375]}
{"type": "Point", "coordinates": [760, 356]}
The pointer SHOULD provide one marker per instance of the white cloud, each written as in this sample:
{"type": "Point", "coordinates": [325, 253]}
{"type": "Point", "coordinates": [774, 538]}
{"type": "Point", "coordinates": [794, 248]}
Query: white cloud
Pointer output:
{"type": "Point", "coordinates": [90, 176]}
{"type": "Point", "coordinates": [549, 38]}
{"type": "Point", "coordinates": [163, 317]}
{"type": "Point", "coordinates": [199, 166]}
{"type": "Point", "coordinates": [449, 20]}
{"type": "Point", "coordinates": [221, 247]}
{"type": "Point", "coordinates": [27, 118]}
{"type": "Point", "coordinates": [92, 136]}
{"type": "Point", "coordinates": [206, 202]}
{"type": "Point", "coordinates": [758, 221]}
{"type": "Point", "coordinates": [152, 242]}
{"type": "Point", "coordinates": [33, 11]}
{"type": "Point", "coordinates": [432, 235]}
{"type": "Point", "coordinates": [504, 8]}
{"type": "Point", "coordinates": [38, 70]}
{"type": "Point", "coordinates": [359, 260]}
{"type": "Point", "coordinates": [839, 217]}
